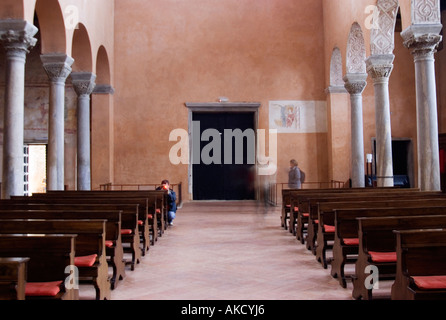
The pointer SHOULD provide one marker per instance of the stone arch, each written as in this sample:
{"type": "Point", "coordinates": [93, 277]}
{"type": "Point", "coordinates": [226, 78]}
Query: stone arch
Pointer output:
{"type": "Point", "coordinates": [81, 50]}
{"type": "Point", "coordinates": [356, 53]}
{"type": "Point", "coordinates": [52, 26]}
{"type": "Point", "coordinates": [382, 33]}
{"type": "Point", "coordinates": [415, 12]}
{"type": "Point", "coordinates": [336, 68]}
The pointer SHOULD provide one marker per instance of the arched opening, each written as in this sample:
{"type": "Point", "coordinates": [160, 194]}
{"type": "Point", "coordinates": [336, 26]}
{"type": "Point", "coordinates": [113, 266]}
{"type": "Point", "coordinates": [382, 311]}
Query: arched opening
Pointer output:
{"type": "Point", "coordinates": [51, 26]}
{"type": "Point", "coordinates": [102, 122]}
{"type": "Point", "coordinates": [81, 50]}
{"type": "Point", "coordinates": [102, 67]}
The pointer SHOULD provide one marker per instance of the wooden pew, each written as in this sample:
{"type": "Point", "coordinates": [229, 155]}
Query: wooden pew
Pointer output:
{"type": "Point", "coordinates": [156, 199]}
{"type": "Point", "coordinates": [13, 278]}
{"type": "Point", "coordinates": [289, 202]}
{"type": "Point", "coordinates": [377, 244]}
{"type": "Point", "coordinates": [49, 255]}
{"type": "Point", "coordinates": [129, 217]}
{"type": "Point", "coordinates": [317, 233]}
{"type": "Point", "coordinates": [301, 199]}
{"type": "Point", "coordinates": [286, 205]}
{"type": "Point", "coordinates": [421, 261]}
{"type": "Point", "coordinates": [346, 226]}
{"type": "Point", "coordinates": [288, 195]}
{"type": "Point", "coordinates": [114, 249]}
{"type": "Point", "coordinates": [90, 258]}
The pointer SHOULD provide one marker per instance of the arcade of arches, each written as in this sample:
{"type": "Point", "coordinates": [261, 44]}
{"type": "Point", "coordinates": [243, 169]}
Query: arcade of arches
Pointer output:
{"type": "Point", "coordinates": [104, 84]}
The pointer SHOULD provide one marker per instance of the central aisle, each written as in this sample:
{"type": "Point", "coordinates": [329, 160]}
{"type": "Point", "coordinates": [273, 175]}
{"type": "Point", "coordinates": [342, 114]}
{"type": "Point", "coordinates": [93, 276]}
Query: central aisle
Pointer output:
{"type": "Point", "coordinates": [228, 250]}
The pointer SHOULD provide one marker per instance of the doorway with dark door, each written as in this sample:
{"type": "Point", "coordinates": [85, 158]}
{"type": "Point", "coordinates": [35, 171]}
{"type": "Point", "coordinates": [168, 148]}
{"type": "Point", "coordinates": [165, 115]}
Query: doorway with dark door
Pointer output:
{"type": "Point", "coordinates": [403, 162]}
{"type": "Point", "coordinates": [224, 163]}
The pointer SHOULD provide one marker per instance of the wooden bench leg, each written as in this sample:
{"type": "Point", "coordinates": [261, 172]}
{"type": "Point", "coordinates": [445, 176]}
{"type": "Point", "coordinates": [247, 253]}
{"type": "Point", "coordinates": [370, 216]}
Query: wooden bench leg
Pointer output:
{"type": "Point", "coordinates": [117, 263]}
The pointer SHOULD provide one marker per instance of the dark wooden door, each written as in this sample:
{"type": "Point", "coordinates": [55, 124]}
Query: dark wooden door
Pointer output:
{"type": "Point", "coordinates": [229, 178]}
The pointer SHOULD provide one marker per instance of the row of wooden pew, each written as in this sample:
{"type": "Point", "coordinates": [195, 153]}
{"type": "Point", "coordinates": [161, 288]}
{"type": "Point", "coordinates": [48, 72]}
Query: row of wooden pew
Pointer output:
{"type": "Point", "coordinates": [50, 242]}
{"type": "Point", "coordinates": [386, 233]}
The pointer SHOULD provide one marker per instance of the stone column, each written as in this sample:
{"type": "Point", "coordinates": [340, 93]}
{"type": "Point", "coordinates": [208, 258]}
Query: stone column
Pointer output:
{"type": "Point", "coordinates": [379, 67]}
{"type": "Point", "coordinates": [423, 40]}
{"type": "Point", "coordinates": [17, 37]}
{"type": "Point", "coordinates": [58, 68]}
{"type": "Point", "coordinates": [83, 83]}
{"type": "Point", "coordinates": [355, 84]}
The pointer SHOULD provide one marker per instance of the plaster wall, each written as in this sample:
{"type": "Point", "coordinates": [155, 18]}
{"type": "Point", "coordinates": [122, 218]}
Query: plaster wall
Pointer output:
{"type": "Point", "coordinates": [171, 52]}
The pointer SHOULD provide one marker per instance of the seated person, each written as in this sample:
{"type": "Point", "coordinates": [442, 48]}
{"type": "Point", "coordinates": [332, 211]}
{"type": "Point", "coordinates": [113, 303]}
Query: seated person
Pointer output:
{"type": "Point", "coordinates": [171, 201]}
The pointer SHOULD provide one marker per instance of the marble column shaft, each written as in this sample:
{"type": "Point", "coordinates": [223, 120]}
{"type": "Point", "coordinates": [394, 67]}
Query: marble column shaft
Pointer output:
{"type": "Point", "coordinates": [355, 84]}
{"type": "Point", "coordinates": [17, 37]}
{"type": "Point", "coordinates": [58, 68]}
{"type": "Point", "coordinates": [422, 41]}
{"type": "Point", "coordinates": [379, 67]}
{"type": "Point", "coordinates": [83, 83]}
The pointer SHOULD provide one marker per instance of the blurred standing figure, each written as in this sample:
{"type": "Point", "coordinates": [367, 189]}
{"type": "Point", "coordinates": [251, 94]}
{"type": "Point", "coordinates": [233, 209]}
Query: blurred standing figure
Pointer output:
{"type": "Point", "coordinates": [294, 175]}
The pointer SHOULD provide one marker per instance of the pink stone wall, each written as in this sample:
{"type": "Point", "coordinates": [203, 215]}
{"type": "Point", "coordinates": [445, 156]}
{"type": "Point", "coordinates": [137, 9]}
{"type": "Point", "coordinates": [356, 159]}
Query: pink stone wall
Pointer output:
{"type": "Point", "coordinates": [172, 52]}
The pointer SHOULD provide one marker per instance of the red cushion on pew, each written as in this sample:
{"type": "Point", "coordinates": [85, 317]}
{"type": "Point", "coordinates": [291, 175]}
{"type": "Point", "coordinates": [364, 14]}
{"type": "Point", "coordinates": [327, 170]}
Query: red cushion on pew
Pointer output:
{"type": "Point", "coordinates": [85, 261]}
{"type": "Point", "coordinates": [126, 231]}
{"type": "Point", "coordinates": [296, 209]}
{"type": "Point", "coordinates": [430, 282]}
{"type": "Point", "coordinates": [305, 214]}
{"type": "Point", "coordinates": [140, 222]}
{"type": "Point", "coordinates": [158, 211]}
{"type": "Point", "coordinates": [316, 221]}
{"type": "Point", "coordinates": [351, 241]}
{"type": "Point", "coordinates": [287, 205]}
{"type": "Point", "coordinates": [329, 228]}
{"type": "Point", "coordinates": [42, 289]}
{"type": "Point", "coordinates": [109, 243]}
{"type": "Point", "coordinates": [383, 256]}
{"type": "Point", "coordinates": [149, 216]}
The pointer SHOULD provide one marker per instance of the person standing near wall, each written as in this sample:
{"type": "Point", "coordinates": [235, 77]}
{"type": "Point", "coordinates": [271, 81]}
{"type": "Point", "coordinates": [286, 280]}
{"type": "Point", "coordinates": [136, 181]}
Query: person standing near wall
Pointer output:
{"type": "Point", "coordinates": [294, 175]}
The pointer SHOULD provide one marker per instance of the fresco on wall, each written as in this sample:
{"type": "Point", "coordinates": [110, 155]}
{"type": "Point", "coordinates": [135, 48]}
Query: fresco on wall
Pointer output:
{"type": "Point", "coordinates": [298, 116]}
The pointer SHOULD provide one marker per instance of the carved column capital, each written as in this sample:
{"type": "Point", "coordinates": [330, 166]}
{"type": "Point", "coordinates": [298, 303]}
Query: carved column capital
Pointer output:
{"type": "Point", "coordinates": [17, 37]}
{"type": "Point", "coordinates": [57, 66]}
{"type": "Point", "coordinates": [355, 83]}
{"type": "Point", "coordinates": [83, 82]}
{"type": "Point", "coordinates": [380, 66]}
{"type": "Point", "coordinates": [422, 40]}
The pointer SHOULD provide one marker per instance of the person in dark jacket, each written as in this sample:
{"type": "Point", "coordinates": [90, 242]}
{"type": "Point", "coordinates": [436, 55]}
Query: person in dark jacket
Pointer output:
{"type": "Point", "coordinates": [171, 201]}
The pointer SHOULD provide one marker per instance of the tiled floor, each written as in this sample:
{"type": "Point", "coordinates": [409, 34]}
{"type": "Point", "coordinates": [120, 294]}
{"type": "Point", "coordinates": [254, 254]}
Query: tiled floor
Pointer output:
{"type": "Point", "coordinates": [228, 251]}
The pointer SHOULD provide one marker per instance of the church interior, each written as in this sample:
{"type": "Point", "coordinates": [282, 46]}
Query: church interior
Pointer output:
{"type": "Point", "coordinates": [218, 97]}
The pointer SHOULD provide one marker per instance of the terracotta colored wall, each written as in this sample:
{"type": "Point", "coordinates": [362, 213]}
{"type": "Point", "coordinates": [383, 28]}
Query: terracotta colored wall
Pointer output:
{"type": "Point", "coordinates": [172, 52]}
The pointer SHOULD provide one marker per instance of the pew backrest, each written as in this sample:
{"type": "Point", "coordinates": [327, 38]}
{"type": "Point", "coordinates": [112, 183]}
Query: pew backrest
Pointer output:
{"type": "Point", "coordinates": [422, 252]}
{"type": "Point", "coordinates": [49, 254]}
{"type": "Point", "coordinates": [90, 233]}
{"type": "Point", "coordinates": [376, 233]}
